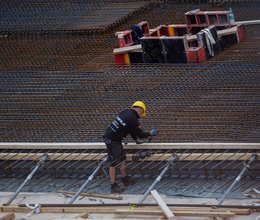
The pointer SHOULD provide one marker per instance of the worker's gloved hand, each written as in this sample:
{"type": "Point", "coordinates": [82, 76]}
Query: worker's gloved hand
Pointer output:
{"type": "Point", "coordinates": [138, 141]}
{"type": "Point", "coordinates": [153, 132]}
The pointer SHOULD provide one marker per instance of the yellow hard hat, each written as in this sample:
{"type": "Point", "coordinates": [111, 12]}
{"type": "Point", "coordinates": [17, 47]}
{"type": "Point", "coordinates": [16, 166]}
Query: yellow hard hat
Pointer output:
{"type": "Point", "coordinates": [140, 105]}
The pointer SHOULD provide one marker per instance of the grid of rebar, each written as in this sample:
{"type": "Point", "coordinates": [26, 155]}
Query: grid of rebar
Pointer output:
{"type": "Point", "coordinates": [58, 84]}
{"type": "Point", "coordinates": [62, 51]}
{"type": "Point", "coordinates": [58, 87]}
{"type": "Point", "coordinates": [48, 17]}
{"type": "Point", "coordinates": [209, 102]}
{"type": "Point", "coordinates": [202, 173]}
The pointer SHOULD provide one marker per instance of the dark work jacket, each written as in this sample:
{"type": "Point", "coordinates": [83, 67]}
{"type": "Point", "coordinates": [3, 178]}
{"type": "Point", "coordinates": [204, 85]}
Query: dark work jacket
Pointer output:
{"type": "Point", "coordinates": [127, 122]}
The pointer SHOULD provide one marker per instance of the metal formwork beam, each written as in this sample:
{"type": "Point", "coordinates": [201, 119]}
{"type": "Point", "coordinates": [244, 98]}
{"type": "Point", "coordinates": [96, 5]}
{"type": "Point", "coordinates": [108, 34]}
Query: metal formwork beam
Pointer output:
{"type": "Point", "coordinates": [150, 146]}
{"type": "Point", "coordinates": [199, 157]}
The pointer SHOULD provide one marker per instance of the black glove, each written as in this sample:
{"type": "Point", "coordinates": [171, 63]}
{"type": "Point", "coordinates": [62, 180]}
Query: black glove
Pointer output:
{"type": "Point", "coordinates": [153, 132]}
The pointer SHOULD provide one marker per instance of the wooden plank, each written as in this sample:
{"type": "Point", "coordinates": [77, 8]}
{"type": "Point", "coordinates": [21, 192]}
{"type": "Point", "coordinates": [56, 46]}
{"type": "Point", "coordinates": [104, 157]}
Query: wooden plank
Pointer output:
{"type": "Point", "coordinates": [154, 157]}
{"type": "Point", "coordinates": [225, 214]}
{"type": "Point", "coordinates": [152, 210]}
{"type": "Point", "coordinates": [8, 216]}
{"type": "Point", "coordinates": [62, 209]}
{"type": "Point", "coordinates": [165, 209]}
{"type": "Point", "coordinates": [248, 22]}
{"type": "Point", "coordinates": [14, 209]}
{"type": "Point", "coordinates": [149, 146]}
{"type": "Point", "coordinates": [138, 212]}
{"type": "Point", "coordinates": [120, 50]}
{"type": "Point", "coordinates": [93, 195]}
{"type": "Point", "coordinates": [228, 31]}
{"type": "Point", "coordinates": [241, 211]}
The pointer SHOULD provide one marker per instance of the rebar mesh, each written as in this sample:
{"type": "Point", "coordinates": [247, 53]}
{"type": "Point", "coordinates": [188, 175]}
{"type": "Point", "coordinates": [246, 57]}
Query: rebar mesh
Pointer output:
{"type": "Point", "coordinates": [202, 173]}
{"type": "Point", "coordinates": [59, 84]}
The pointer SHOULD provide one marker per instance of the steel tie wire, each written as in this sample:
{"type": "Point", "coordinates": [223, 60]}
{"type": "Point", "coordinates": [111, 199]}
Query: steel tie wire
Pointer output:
{"type": "Point", "coordinates": [201, 161]}
{"type": "Point", "coordinates": [80, 159]}
{"type": "Point", "coordinates": [67, 161]}
{"type": "Point", "coordinates": [236, 160]}
{"type": "Point", "coordinates": [102, 152]}
{"type": "Point", "coordinates": [196, 183]}
{"type": "Point", "coordinates": [69, 185]}
{"type": "Point", "coordinates": [143, 161]}
{"type": "Point", "coordinates": [38, 182]}
{"type": "Point", "coordinates": [189, 181]}
{"type": "Point", "coordinates": [55, 158]}
{"type": "Point", "coordinates": [222, 161]}
{"type": "Point", "coordinates": [15, 183]}
{"type": "Point", "coordinates": [8, 153]}
{"type": "Point", "coordinates": [186, 150]}
{"type": "Point", "coordinates": [17, 179]}
{"type": "Point", "coordinates": [223, 185]}
{"type": "Point", "coordinates": [162, 167]}
{"type": "Point", "coordinates": [17, 161]}
{"type": "Point", "coordinates": [191, 160]}
{"type": "Point", "coordinates": [167, 183]}
{"type": "Point", "coordinates": [255, 183]}
{"type": "Point", "coordinates": [154, 161]}
{"type": "Point", "coordinates": [144, 185]}
{"type": "Point", "coordinates": [250, 151]}
{"type": "Point", "coordinates": [64, 181]}
{"type": "Point", "coordinates": [97, 171]}
{"type": "Point", "coordinates": [27, 159]}
{"type": "Point", "coordinates": [176, 163]}
{"type": "Point", "coordinates": [178, 183]}
{"type": "Point", "coordinates": [212, 185]}
{"type": "Point", "coordinates": [45, 165]}
{"type": "Point", "coordinates": [158, 163]}
{"type": "Point", "coordinates": [53, 182]}
{"type": "Point", "coordinates": [243, 184]}
{"type": "Point", "coordinates": [203, 187]}
{"type": "Point", "coordinates": [48, 177]}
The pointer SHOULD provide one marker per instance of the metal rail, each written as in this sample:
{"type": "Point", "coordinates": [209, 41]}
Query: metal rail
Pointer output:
{"type": "Point", "coordinates": [27, 179]}
{"type": "Point", "coordinates": [158, 179]}
{"type": "Point", "coordinates": [246, 166]}
{"type": "Point", "coordinates": [88, 180]}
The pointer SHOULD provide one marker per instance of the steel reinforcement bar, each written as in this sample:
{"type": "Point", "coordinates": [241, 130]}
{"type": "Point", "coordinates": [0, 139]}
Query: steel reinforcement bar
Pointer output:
{"type": "Point", "coordinates": [198, 169]}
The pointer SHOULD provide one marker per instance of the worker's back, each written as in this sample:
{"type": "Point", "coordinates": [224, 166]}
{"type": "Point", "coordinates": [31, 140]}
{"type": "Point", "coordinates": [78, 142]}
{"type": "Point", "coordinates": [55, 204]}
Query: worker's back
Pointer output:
{"type": "Point", "coordinates": [124, 124]}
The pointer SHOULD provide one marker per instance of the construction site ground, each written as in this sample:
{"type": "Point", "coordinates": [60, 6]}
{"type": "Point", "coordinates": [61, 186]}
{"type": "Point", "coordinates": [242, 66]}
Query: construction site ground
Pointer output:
{"type": "Point", "coordinates": [59, 86]}
{"type": "Point", "coordinates": [59, 198]}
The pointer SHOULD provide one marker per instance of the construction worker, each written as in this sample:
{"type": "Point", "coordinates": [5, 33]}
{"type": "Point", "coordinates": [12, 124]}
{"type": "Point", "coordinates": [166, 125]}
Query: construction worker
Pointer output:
{"type": "Point", "coordinates": [127, 122]}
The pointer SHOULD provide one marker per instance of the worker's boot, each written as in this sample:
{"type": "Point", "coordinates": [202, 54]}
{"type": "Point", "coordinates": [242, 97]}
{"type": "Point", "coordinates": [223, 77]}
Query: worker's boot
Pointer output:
{"type": "Point", "coordinates": [115, 188]}
{"type": "Point", "coordinates": [127, 180]}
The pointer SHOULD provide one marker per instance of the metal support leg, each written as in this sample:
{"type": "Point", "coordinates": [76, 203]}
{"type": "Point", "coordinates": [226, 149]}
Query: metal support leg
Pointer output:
{"type": "Point", "coordinates": [170, 163]}
{"type": "Point", "coordinates": [246, 166]}
{"type": "Point", "coordinates": [40, 162]}
{"type": "Point", "coordinates": [87, 181]}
